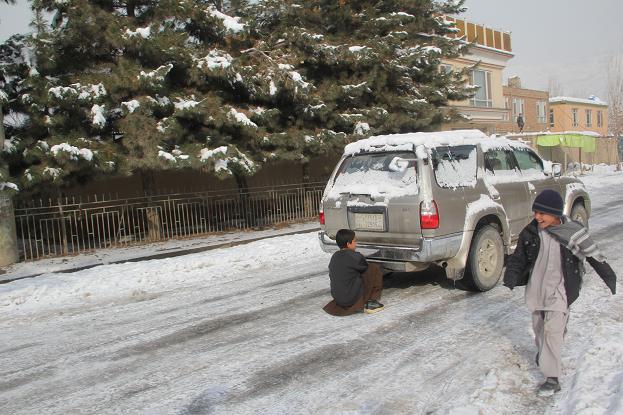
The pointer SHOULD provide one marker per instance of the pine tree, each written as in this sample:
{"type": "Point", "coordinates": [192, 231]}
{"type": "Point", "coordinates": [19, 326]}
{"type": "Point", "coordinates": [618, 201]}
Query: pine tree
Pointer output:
{"type": "Point", "coordinates": [342, 70]}
{"type": "Point", "coordinates": [119, 87]}
{"type": "Point", "coordinates": [13, 71]}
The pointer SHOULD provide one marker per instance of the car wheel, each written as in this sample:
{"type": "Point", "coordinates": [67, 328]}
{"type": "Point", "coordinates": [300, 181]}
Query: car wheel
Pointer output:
{"type": "Point", "coordinates": [578, 214]}
{"type": "Point", "coordinates": [485, 260]}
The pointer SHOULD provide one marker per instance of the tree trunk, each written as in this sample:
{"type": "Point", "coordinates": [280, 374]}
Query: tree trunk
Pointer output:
{"type": "Point", "coordinates": [218, 4]}
{"type": "Point", "coordinates": [310, 210]}
{"type": "Point", "coordinates": [152, 211]}
{"type": "Point", "coordinates": [305, 169]}
{"type": "Point", "coordinates": [130, 8]}
{"type": "Point", "coordinates": [246, 212]}
{"type": "Point", "coordinates": [61, 224]}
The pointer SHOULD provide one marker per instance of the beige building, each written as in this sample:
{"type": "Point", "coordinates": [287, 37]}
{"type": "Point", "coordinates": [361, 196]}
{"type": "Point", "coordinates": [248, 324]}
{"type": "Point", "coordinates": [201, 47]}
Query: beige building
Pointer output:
{"type": "Point", "coordinates": [491, 50]}
{"type": "Point", "coordinates": [576, 114]}
{"type": "Point", "coordinates": [532, 105]}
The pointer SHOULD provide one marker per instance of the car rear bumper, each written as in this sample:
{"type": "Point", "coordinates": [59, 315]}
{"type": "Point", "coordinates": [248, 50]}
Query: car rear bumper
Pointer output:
{"type": "Point", "coordinates": [430, 250]}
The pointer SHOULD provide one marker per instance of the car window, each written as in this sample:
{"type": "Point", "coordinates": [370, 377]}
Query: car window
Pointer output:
{"type": "Point", "coordinates": [455, 166]}
{"type": "Point", "coordinates": [391, 173]}
{"type": "Point", "coordinates": [528, 161]}
{"type": "Point", "coordinates": [500, 162]}
{"type": "Point", "coordinates": [391, 162]}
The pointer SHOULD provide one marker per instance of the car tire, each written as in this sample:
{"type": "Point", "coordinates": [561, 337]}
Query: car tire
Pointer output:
{"type": "Point", "coordinates": [485, 260]}
{"type": "Point", "coordinates": [578, 214]}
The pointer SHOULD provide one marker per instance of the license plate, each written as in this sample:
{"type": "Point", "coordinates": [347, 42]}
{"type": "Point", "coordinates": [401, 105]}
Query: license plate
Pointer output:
{"type": "Point", "coordinates": [370, 221]}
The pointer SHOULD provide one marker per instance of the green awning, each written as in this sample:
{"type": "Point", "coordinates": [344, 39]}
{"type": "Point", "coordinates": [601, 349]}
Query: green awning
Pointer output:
{"type": "Point", "coordinates": [585, 142]}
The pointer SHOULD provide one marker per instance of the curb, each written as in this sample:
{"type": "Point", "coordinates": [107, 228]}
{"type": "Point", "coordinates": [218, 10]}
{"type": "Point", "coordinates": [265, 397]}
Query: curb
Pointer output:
{"type": "Point", "coordinates": [164, 255]}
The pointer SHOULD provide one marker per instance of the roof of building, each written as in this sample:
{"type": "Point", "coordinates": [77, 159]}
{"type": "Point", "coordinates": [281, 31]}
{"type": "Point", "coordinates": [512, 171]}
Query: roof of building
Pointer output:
{"type": "Point", "coordinates": [482, 36]}
{"type": "Point", "coordinates": [538, 133]}
{"type": "Point", "coordinates": [525, 89]}
{"type": "Point", "coordinates": [592, 100]}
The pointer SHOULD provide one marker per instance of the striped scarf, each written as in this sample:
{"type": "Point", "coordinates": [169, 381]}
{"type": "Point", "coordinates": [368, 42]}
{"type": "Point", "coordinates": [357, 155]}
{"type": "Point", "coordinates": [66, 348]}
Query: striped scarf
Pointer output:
{"type": "Point", "coordinates": [575, 237]}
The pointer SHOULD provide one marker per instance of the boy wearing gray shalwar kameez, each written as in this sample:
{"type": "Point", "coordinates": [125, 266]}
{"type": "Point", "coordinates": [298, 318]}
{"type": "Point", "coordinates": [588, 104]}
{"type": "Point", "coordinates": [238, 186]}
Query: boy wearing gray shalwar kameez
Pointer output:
{"type": "Point", "coordinates": [546, 298]}
{"type": "Point", "coordinates": [549, 261]}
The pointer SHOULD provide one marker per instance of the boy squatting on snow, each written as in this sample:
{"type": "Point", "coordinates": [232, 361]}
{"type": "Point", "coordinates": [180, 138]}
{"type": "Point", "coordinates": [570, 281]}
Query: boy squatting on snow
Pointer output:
{"type": "Point", "coordinates": [355, 284]}
{"type": "Point", "coordinates": [548, 260]}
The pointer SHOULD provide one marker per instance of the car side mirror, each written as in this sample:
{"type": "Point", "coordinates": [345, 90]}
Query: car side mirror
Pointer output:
{"type": "Point", "coordinates": [556, 169]}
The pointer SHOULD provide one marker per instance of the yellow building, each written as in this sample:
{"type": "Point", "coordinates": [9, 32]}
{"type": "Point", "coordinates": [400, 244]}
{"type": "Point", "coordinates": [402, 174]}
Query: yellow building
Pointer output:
{"type": "Point", "coordinates": [491, 50]}
{"type": "Point", "coordinates": [577, 114]}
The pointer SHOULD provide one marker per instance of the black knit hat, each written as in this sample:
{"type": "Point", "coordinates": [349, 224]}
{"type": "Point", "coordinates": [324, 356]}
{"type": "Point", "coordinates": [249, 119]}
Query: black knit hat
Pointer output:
{"type": "Point", "coordinates": [548, 201]}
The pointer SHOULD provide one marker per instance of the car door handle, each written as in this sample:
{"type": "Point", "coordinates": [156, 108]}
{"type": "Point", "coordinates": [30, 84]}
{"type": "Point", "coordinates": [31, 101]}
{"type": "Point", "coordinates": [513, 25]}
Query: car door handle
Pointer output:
{"type": "Point", "coordinates": [495, 197]}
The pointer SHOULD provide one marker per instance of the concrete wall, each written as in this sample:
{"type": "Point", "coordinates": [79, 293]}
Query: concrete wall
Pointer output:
{"type": "Point", "coordinates": [8, 239]}
{"type": "Point", "coordinates": [185, 181]}
{"type": "Point", "coordinates": [606, 152]}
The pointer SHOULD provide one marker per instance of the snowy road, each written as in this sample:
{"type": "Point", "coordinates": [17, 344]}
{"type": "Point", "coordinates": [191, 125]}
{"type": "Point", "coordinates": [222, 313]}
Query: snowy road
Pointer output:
{"type": "Point", "coordinates": [241, 331]}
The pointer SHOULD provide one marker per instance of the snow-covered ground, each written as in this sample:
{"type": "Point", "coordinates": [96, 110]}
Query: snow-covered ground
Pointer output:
{"type": "Point", "coordinates": [241, 330]}
{"type": "Point", "coordinates": [172, 247]}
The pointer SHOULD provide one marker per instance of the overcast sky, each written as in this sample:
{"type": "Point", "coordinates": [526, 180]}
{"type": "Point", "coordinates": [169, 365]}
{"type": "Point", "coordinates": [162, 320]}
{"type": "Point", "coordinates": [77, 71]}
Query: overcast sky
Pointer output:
{"type": "Point", "coordinates": [567, 40]}
{"type": "Point", "coordinates": [570, 41]}
{"type": "Point", "coordinates": [14, 19]}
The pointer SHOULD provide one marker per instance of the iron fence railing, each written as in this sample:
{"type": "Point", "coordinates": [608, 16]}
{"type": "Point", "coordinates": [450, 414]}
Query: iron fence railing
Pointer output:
{"type": "Point", "coordinates": [68, 226]}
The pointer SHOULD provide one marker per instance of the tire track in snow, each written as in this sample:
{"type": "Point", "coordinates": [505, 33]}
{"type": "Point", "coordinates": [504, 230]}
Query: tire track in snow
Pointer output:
{"type": "Point", "coordinates": [247, 291]}
{"type": "Point", "coordinates": [90, 351]}
{"type": "Point", "coordinates": [213, 326]}
{"type": "Point", "coordinates": [327, 361]}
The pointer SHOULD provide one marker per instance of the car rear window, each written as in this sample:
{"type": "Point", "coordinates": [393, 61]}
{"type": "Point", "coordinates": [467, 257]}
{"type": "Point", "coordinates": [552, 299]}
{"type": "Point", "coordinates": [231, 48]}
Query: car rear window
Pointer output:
{"type": "Point", "coordinates": [390, 173]}
{"type": "Point", "coordinates": [455, 166]}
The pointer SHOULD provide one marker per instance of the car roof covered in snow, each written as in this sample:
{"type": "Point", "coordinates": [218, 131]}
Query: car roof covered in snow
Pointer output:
{"type": "Point", "coordinates": [409, 141]}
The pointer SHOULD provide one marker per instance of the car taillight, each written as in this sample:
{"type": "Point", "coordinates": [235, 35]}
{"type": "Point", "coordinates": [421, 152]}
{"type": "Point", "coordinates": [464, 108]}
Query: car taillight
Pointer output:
{"type": "Point", "coordinates": [429, 216]}
{"type": "Point", "coordinates": [321, 217]}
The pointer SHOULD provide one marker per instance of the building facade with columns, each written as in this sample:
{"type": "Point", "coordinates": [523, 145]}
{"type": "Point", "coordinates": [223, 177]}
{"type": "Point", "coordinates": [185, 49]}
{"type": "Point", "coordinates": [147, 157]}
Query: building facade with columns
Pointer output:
{"type": "Point", "coordinates": [490, 50]}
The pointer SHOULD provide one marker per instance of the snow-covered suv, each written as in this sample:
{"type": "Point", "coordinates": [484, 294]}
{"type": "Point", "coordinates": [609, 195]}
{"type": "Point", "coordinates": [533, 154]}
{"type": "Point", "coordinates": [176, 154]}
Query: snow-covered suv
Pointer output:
{"type": "Point", "coordinates": [457, 199]}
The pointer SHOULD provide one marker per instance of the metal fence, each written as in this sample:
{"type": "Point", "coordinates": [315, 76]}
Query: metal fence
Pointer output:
{"type": "Point", "coordinates": [70, 225]}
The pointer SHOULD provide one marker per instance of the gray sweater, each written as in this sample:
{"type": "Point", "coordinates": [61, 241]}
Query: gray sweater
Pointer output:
{"type": "Point", "coordinates": [345, 269]}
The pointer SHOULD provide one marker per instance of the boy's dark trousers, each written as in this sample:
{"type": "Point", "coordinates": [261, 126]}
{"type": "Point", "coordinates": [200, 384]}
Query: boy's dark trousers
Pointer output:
{"type": "Point", "coordinates": [372, 288]}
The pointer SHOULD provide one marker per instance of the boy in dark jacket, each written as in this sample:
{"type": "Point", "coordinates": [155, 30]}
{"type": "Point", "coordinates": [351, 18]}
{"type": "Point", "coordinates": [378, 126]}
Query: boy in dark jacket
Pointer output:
{"type": "Point", "coordinates": [355, 284]}
{"type": "Point", "coordinates": [548, 260]}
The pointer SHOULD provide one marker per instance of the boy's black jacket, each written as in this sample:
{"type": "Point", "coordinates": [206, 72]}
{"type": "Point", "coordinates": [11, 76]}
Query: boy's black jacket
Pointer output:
{"type": "Point", "coordinates": [519, 265]}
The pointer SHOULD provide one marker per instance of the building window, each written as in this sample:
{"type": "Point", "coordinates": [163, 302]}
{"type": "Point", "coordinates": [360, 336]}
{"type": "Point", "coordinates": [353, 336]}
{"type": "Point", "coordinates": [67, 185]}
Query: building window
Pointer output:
{"type": "Point", "coordinates": [574, 113]}
{"type": "Point", "coordinates": [518, 107]}
{"type": "Point", "coordinates": [540, 112]}
{"type": "Point", "coordinates": [445, 68]}
{"type": "Point", "coordinates": [600, 119]}
{"type": "Point", "coordinates": [589, 118]}
{"type": "Point", "coordinates": [551, 118]}
{"type": "Point", "coordinates": [482, 79]}
{"type": "Point", "coordinates": [507, 106]}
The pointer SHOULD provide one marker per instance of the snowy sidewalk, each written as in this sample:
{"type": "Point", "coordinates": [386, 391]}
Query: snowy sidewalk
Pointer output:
{"type": "Point", "coordinates": [168, 249]}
